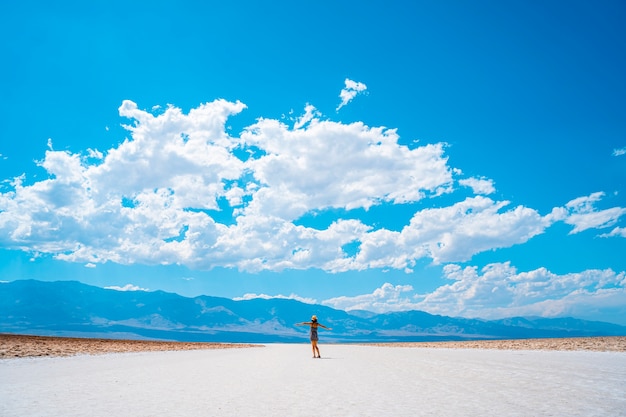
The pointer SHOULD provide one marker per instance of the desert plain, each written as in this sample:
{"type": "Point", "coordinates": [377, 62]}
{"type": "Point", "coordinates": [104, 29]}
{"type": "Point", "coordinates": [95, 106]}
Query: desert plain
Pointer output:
{"type": "Point", "coordinates": [20, 346]}
{"type": "Point", "coordinates": [551, 377]}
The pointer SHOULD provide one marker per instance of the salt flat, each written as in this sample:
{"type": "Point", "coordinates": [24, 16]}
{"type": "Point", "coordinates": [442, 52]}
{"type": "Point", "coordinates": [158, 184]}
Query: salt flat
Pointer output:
{"type": "Point", "coordinates": [349, 380]}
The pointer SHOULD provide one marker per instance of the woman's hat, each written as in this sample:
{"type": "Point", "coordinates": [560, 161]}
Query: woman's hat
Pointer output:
{"type": "Point", "coordinates": [314, 318]}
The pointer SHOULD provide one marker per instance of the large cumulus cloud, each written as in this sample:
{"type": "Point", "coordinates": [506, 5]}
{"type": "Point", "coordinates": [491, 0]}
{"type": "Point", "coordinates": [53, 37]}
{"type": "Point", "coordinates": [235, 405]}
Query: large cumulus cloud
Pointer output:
{"type": "Point", "coordinates": [182, 190]}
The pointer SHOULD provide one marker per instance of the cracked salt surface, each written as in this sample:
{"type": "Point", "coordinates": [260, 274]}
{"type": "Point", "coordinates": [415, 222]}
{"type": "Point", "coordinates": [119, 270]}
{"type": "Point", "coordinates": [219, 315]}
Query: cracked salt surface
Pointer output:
{"type": "Point", "coordinates": [349, 380]}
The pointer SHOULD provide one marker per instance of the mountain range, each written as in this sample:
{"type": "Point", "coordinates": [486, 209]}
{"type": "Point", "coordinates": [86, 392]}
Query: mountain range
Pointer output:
{"type": "Point", "coordinates": [70, 308]}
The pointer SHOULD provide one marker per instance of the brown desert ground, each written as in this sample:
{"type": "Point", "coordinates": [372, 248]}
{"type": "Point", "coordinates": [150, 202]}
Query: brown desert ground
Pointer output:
{"type": "Point", "coordinates": [20, 346]}
{"type": "Point", "coordinates": [597, 344]}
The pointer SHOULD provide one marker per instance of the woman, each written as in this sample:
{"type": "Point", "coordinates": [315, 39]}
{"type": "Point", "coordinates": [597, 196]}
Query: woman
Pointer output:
{"type": "Point", "coordinates": [314, 325]}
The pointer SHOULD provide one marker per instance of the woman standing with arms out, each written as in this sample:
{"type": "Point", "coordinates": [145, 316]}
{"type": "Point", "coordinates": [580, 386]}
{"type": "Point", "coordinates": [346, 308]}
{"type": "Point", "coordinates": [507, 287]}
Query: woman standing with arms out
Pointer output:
{"type": "Point", "coordinates": [314, 325]}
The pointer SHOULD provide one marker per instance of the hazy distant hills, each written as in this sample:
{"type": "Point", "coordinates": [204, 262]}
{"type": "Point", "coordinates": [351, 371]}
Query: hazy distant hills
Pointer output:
{"type": "Point", "coordinates": [67, 308]}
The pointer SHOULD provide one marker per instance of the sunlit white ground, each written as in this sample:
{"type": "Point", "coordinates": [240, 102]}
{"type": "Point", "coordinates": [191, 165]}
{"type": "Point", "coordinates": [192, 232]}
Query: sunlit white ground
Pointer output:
{"type": "Point", "coordinates": [284, 380]}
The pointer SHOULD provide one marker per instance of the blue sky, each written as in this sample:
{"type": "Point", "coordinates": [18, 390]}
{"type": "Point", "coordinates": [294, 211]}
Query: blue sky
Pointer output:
{"type": "Point", "coordinates": [461, 158]}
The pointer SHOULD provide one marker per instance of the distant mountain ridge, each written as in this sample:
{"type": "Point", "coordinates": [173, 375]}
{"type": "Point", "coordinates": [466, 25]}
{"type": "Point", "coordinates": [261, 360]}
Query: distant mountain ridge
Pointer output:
{"type": "Point", "coordinates": [70, 308]}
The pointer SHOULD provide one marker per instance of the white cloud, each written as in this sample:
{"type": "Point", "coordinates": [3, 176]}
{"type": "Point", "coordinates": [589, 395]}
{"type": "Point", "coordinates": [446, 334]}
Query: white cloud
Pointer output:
{"type": "Point", "coordinates": [384, 299]}
{"type": "Point", "coordinates": [94, 153]}
{"type": "Point", "coordinates": [155, 198]}
{"type": "Point", "coordinates": [251, 296]}
{"type": "Point", "coordinates": [350, 91]}
{"type": "Point", "coordinates": [127, 287]}
{"type": "Point", "coordinates": [331, 164]}
{"type": "Point", "coordinates": [619, 152]}
{"type": "Point", "coordinates": [500, 291]}
{"type": "Point", "coordinates": [479, 185]}
{"type": "Point", "coordinates": [453, 233]}
{"type": "Point", "coordinates": [618, 231]}
{"type": "Point", "coordinates": [309, 114]}
{"type": "Point", "coordinates": [583, 215]}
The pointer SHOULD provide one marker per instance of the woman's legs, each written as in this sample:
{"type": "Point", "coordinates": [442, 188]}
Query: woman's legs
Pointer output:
{"type": "Point", "coordinates": [315, 348]}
